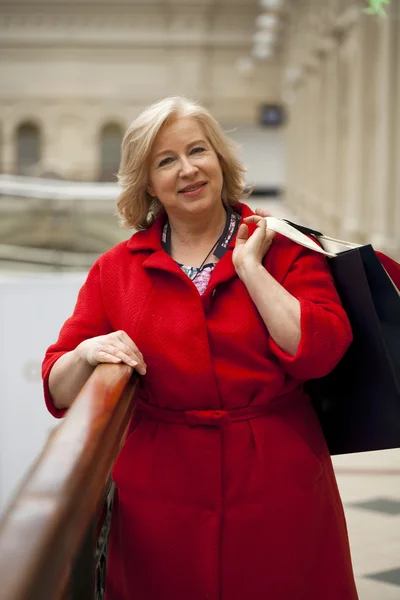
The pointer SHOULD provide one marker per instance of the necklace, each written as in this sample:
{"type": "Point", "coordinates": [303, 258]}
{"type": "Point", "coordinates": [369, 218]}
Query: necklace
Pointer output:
{"type": "Point", "coordinates": [219, 247]}
{"type": "Point", "coordinates": [198, 269]}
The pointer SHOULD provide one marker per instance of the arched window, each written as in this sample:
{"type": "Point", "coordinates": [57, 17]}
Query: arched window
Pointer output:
{"type": "Point", "coordinates": [28, 148]}
{"type": "Point", "coordinates": [110, 151]}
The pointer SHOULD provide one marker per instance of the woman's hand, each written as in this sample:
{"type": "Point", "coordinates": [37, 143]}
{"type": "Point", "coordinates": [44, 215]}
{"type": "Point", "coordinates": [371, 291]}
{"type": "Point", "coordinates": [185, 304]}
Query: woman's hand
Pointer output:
{"type": "Point", "coordinates": [114, 347]}
{"type": "Point", "coordinates": [250, 251]}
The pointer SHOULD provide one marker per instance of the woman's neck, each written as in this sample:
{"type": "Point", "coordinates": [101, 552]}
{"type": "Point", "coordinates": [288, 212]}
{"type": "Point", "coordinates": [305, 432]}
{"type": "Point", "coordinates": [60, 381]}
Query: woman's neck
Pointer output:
{"type": "Point", "coordinates": [200, 230]}
{"type": "Point", "coordinates": [191, 240]}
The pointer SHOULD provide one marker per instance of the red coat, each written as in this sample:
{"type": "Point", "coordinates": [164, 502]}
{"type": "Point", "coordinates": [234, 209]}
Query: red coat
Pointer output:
{"type": "Point", "coordinates": [392, 268]}
{"type": "Point", "coordinates": [223, 505]}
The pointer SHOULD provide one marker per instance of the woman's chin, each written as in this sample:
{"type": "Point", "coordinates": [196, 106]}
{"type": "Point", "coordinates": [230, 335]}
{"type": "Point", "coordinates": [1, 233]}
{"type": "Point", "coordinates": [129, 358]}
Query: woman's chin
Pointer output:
{"type": "Point", "coordinates": [200, 203]}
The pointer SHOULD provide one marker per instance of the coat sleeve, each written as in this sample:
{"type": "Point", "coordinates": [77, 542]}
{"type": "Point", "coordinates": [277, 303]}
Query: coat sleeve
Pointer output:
{"type": "Point", "coordinates": [325, 328]}
{"type": "Point", "coordinates": [88, 320]}
{"type": "Point", "coordinates": [391, 266]}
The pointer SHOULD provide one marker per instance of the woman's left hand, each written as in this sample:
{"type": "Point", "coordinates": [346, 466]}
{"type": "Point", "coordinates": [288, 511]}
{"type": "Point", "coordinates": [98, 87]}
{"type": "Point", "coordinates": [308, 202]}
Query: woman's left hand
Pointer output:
{"type": "Point", "coordinates": [250, 251]}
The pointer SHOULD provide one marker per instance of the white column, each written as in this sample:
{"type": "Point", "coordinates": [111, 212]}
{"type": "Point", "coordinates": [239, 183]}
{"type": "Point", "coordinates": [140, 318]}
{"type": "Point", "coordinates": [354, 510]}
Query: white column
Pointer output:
{"type": "Point", "coordinates": [292, 149]}
{"type": "Point", "coordinates": [311, 143]}
{"type": "Point", "coordinates": [330, 169]}
{"type": "Point", "coordinates": [302, 154]}
{"type": "Point", "coordinates": [395, 190]}
{"type": "Point", "coordinates": [350, 134]}
{"type": "Point", "coordinates": [9, 147]}
{"type": "Point", "coordinates": [377, 213]}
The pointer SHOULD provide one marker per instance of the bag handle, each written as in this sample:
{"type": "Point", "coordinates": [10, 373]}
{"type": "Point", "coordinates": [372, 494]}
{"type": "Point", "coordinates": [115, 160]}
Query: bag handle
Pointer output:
{"type": "Point", "coordinates": [325, 245]}
{"type": "Point", "coordinates": [304, 229]}
{"type": "Point", "coordinates": [331, 247]}
{"type": "Point", "coordinates": [287, 229]}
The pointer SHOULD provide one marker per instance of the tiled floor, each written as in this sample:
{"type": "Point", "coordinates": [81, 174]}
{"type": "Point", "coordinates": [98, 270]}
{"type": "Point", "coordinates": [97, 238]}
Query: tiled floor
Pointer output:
{"type": "Point", "coordinates": [369, 484]}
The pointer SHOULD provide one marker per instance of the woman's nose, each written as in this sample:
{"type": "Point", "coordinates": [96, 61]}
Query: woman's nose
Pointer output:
{"type": "Point", "coordinates": [188, 169]}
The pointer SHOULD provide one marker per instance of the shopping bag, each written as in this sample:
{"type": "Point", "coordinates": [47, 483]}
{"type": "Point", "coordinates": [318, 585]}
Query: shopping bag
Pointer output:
{"type": "Point", "coordinates": [358, 403]}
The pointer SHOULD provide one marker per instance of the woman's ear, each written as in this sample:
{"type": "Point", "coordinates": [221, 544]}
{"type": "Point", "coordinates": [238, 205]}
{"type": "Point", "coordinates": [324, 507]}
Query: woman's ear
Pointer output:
{"type": "Point", "coordinates": [150, 190]}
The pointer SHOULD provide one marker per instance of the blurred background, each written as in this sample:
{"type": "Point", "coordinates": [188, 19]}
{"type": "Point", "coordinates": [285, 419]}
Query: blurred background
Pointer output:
{"type": "Point", "coordinates": [309, 89]}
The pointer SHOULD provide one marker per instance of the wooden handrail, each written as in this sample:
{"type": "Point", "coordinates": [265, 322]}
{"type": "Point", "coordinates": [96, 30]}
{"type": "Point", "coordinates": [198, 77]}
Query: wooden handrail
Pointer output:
{"type": "Point", "coordinates": [48, 518]}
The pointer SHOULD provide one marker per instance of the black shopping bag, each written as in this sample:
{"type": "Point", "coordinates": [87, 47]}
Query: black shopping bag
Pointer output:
{"type": "Point", "coordinates": [358, 404]}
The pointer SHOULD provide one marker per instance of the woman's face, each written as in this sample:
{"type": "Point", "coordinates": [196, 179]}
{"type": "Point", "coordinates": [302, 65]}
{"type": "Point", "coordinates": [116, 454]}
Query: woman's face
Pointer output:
{"type": "Point", "coordinates": [184, 170]}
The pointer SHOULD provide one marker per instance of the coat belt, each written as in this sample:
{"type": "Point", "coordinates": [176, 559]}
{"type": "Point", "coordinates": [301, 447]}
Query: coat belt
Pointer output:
{"type": "Point", "coordinates": [215, 417]}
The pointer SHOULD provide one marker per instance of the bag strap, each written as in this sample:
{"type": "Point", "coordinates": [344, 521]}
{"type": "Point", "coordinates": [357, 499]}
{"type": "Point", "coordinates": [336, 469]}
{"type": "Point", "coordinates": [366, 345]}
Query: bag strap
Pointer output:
{"type": "Point", "coordinates": [296, 234]}
{"type": "Point", "coordinates": [304, 229]}
{"type": "Point", "coordinates": [331, 247]}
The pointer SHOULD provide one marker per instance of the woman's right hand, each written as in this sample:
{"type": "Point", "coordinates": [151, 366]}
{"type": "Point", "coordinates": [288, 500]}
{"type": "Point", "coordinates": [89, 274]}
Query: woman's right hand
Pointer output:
{"type": "Point", "coordinates": [114, 347]}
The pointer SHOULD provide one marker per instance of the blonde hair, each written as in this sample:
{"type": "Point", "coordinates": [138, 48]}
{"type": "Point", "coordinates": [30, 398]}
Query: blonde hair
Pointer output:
{"type": "Point", "coordinates": [136, 207]}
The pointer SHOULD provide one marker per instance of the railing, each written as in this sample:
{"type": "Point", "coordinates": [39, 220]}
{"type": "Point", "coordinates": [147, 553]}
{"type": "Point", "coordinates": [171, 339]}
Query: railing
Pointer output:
{"type": "Point", "coordinates": [56, 190]}
{"type": "Point", "coordinates": [47, 257]}
{"type": "Point", "coordinates": [48, 533]}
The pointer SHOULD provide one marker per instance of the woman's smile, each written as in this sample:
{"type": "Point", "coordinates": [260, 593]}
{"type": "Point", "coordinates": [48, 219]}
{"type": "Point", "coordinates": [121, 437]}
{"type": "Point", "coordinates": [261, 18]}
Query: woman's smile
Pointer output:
{"type": "Point", "coordinates": [191, 191]}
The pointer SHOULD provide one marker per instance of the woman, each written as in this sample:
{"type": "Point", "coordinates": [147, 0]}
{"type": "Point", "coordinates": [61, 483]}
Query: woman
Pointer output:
{"type": "Point", "coordinates": [224, 486]}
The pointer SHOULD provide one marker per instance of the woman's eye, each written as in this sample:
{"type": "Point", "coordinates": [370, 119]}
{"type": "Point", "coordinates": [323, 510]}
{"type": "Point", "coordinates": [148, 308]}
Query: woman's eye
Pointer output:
{"type": "Point", "coordinates": [197, 150]}
{"type": "Point", "coordinates": [165, 161]}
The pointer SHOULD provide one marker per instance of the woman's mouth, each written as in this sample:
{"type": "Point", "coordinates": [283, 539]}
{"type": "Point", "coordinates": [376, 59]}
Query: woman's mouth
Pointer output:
{"type": "Point", "coordinates": [193, 190]}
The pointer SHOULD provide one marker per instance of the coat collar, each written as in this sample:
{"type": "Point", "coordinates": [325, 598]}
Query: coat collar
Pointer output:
{"type": "Point", "coordinates": [149, 241]}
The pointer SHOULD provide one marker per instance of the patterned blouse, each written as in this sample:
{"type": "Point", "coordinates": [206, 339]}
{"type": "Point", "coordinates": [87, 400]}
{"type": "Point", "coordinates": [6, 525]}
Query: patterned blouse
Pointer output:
{"type": "Point", "coordinates": [199, 278]}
